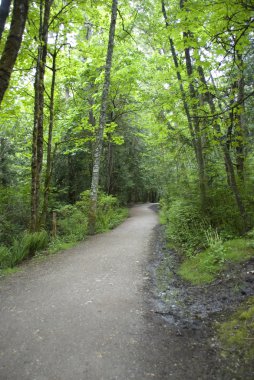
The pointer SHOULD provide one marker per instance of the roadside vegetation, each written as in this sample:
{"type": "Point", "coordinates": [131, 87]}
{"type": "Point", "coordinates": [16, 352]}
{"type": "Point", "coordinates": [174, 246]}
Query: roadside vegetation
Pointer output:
{"type": "Point", "coordinates": [169, 116]}
{"type": "Point", "coordinates": [237, 334]}
{"type": "Point", "coordinates": [71, 226]}
{"type": "Point", "coordinates": [208, 253]}
{"type": "Point", "coordinates": [206, 247]}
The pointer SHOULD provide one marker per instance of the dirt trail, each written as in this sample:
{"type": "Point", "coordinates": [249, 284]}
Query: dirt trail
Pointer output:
{"type": "Point", "coordinates": [87, 314]}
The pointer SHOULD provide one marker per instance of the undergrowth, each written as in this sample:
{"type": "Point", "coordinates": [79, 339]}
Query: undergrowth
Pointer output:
{"type": "Point", "coordinates": [207, 265]}
{"type": "Point", "coordinates": [72, 226]}
{"type": "Point", "coordinates": [236, 335]}
{"type": "Point", "coordinates": [206, 250]}
{"type": "Point", "coordinates": [25, 247]}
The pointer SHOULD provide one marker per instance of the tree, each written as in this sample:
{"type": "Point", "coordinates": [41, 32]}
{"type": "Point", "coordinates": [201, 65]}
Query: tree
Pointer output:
{"type": "Point", "coordinates": [102, 121]}
{"type": "Point", "coordinates": [13, 43]}
{"type": "Point", "coordinates": [37, 145]}
{"type": "Point", "coordinates": [4, 12]}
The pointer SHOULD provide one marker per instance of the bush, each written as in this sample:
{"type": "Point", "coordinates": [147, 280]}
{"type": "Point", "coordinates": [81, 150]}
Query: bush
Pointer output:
{"type": "Point", "coordinates": [216, 253]}
{"type": "Point", "coordinates": [223, 213]}
{"type": "Point", "coordinates": [27, 246]}
{"type": "Point", "coordinates": [5, 257]}
{"type": "Point", "coordinates": [108, 215]}
{"type": "Point", "coordinates": [72, 223]}
{"type": "Point", "coordinates": [185, 226]}
{"type": "Point", "coordinates": [14, 212]}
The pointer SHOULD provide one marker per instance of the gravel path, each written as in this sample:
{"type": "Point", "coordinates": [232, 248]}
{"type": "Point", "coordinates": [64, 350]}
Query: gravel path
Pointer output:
{"type": "Point", "coordinates": [85, 314]}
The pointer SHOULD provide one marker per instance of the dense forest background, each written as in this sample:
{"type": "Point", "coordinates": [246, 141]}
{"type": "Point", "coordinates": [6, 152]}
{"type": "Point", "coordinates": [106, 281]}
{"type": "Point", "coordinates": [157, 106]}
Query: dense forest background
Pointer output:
{"type": "Point", "coordinates": [178, 123]}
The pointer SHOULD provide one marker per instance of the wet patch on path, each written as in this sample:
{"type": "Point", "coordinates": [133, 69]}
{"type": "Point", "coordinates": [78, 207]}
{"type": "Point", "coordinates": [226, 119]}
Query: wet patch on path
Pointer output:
{"type": "Point", "coordinates": [192, 312]}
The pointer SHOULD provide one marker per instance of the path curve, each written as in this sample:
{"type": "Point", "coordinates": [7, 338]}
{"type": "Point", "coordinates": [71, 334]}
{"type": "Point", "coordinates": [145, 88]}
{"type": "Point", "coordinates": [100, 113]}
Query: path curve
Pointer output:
{"type": "Point", "coordinates": [86, 314]}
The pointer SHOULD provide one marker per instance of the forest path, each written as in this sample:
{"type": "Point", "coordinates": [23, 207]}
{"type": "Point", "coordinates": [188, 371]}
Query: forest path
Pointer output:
{"type": "Point", "coordinates": [86, 314]}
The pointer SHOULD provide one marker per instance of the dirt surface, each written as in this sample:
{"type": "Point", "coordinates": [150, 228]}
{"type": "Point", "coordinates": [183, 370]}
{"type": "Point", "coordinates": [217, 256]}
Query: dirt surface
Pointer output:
{"type": "Point", "coordinates": [195, 311]}
{"type": "Point", "coordinates": [95, 312]}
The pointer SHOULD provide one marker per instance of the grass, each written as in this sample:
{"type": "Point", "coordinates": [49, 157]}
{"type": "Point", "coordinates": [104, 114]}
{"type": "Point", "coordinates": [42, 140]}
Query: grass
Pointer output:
{"type": "Point", "coordinates": [237, 334]}
{"type": "Point", "coordinates": [207, 265]}
{"type": "Point", "coordinates": [8, 271]}
{"type": "Point", "coordinates": [58, 245]}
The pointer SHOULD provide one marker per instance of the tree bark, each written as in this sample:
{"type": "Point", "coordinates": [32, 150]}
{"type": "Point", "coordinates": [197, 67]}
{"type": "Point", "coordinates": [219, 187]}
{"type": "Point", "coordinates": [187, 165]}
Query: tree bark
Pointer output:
{"type": "Point", "coordinates": [198, 137]}
{"type": "Point", "coordinates": [37, 147]}
{"type": "Point", "coordinates": [102, 121]}
{"type": "Point", "coordinates": [4, 13]}
{"type": "Point", "coordinates": [49, 164]}
{"type": "Point", "coordinates": [179, 78]}
{"type": "Point", "coordinates": [13, 43]}
{"type": "Point", "coordinates": [239, 123]}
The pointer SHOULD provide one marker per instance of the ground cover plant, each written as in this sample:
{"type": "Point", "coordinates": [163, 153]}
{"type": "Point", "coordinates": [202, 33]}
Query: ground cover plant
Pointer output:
{"type": "Point", "coordinates": [71, 227]}
{"type": "Point", "coordinates": [236, 335]}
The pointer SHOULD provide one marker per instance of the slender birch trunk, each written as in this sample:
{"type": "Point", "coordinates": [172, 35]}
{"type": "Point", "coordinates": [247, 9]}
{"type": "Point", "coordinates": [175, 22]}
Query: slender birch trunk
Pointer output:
{"type": "Point", "coordinates": [102, 121]}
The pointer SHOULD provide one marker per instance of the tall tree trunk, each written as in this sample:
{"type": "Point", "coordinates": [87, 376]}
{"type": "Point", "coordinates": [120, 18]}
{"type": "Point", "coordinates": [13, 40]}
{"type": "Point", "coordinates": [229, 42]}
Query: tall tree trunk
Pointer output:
{"type": "Point", "coordinates": [102, 121]}
{"type": "Point", "coordinates": [37, 147]}
{"type": "Point", "coordinates": [49, 164]}
{"type": "Point", "coordinates": [179, 78]}
{"type": "Point", "coordinates": [13, 43]}
{"type": "Point", "coordinates": [193, 121]}
{"type": "Point", "coordinates": [4, 12]}
{"type": "Point", "coordinates": [226, 151]}
{"type": "Point", "coordinates": [199, 146]}
{"type": "Point", "coordinates": [239, 121]}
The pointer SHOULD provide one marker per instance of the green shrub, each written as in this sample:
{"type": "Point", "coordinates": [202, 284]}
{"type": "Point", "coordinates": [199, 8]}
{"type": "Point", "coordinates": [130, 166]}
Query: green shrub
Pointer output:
{"type": "Point", "coordinates": [72, 220]}
{"type": "Point", "coordinates": [14, 212]}
{"type": "Point", "coordinates": [26, 246]}
{"type": "Point", "coordinates": [72, 223]}
{"type": "Point", "coordinates": [29, 244]}
{"type": "Point", "coordinates": [5, 257]}
{"type": "Point", "coordinates": [107, 210]}
{"type": "Point", "coordinates": [207, 265]}
{"type": "Point", "coordinates": [216, 252]}
{"type": "Point", "coordinates": [185, 226]}
{"type": "Point", "coordinates": [223, 213]}
{"type": "Point", "coordinates": [109, 214]}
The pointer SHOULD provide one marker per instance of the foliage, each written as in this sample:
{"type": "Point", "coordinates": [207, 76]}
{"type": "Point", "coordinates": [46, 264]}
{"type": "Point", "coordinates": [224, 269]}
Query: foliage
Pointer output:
{"type": "Point", "coordinates": [72, 226]}
{"type": "Point", "coordinates": [209, 264]}
{"type": "Point", "coordinates": [5, 257]}
{"type": "Point", "coordinates": [72, 223]}
{"type": "Point", "coordinates": [59, 244]}
{"type": "Point", "coordinates": [237, 333]}
{"type": "Point", "coordinates": [22, 248]}
{"type": "Point", "coordinates": [223, 213]}
{"type": "Point", "coordinates": [14, 212]}
{"type": "Point", "coordinates": [185, 226]}
{"type": "Point", "coordinates": [195, 152]}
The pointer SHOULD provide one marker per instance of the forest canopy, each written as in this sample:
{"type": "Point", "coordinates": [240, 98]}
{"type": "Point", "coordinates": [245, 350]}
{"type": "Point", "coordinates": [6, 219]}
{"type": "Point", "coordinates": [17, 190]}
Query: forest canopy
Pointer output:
{"type": "Point", "coordinates": [154, 97]}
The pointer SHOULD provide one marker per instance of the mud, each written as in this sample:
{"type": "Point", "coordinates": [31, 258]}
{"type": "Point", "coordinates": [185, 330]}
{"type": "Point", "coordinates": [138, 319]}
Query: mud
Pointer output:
{"type": "Point", "coordinates": [193, 311]}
